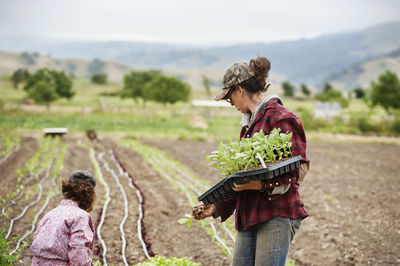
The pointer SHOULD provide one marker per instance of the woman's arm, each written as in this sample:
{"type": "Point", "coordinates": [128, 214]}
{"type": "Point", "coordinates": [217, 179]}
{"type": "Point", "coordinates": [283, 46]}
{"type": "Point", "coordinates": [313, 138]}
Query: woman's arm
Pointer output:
{"type": "Point", "coordinates": [81, 241]}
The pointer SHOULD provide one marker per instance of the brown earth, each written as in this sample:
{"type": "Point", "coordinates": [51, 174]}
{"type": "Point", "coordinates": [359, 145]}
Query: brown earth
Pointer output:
{"type": "Point", "coordinates": [163, 207]}
{"type": "Point", "coordinates": [351, 194]}
{"type": "Point", "coordinates": [27, 148]}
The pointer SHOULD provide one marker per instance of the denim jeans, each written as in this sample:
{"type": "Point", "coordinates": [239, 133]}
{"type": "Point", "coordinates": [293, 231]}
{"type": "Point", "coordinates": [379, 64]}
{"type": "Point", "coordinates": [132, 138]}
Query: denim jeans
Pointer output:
{"type": "Point", "coordinates": [266, 243]}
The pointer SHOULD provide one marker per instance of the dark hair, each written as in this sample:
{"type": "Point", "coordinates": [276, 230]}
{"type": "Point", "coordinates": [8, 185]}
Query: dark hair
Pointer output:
{"type": "Point", "coordinates": [83, 194]}
{"type": "Point", "coordinates": [257, 83]}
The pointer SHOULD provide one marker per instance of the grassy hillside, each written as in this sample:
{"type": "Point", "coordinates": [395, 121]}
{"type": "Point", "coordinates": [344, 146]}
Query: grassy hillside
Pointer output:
{"type": "Point", "coordinates": [91, 109]}
{"type": "Point", "coordinates": [362, 74]}
{"type": "Point", "coordinates": [83, 69]}
{"type": "Point", "coordinates": [9, 62]}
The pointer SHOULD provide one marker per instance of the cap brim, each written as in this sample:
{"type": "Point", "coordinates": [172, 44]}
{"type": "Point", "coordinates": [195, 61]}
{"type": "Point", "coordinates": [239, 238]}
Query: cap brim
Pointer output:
{"type": "Point", "coordinates": [222, 94]}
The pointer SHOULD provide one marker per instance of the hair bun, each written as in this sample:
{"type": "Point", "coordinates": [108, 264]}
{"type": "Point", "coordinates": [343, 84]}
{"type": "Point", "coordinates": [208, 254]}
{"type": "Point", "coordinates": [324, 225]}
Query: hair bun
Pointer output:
{"type": "Point", "coordinates": [260, 66]}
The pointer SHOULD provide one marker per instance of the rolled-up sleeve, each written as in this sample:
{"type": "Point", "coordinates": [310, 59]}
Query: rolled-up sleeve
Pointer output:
{"type": "Point", "coordinates": [224, 209]}
{"type": "Point", "coordinates": [81, 242]}
{"type": "Point", "coordinates": [298, 140]}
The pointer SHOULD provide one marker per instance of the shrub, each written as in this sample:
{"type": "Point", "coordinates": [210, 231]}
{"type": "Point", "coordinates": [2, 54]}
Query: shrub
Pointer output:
{"type": "Point", "coordinates": [331, 95]}
{"type": "Point", "coordinates": [165, 90]}
{"type": "Point", "coordinates": [20, 75]}
{"type": "Point", "coordinates": [99, 78]}
{"type": "Point", "coordinates": [48, 85]}
{"type": "Point", "coordinates": [386, 91]}
{"type": "Point", "coordinates": [288, 89]}
{"type": "Point", "coordinates": [134, 84]}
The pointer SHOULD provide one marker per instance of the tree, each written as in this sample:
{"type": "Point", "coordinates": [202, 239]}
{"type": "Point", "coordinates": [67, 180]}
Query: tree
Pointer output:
{"type": "Point", "coordinates": [63, 84]}
{"type": "Point", "coordinates": [134, 84]}
{"type": "Point", "coordinates": [305, 90]}
{"type": "Point", "coordinates": [331, 95]}
{"type": "Point", "coordinates": [206, 84]}
{"type": "Point", "coordinates": [288, 89]}
{"type": "Point", "coordinates": [359, 93]}
{"type": "Point", "coordinates": [99, 78]}
{"type": "Point", "coordinates": [19, 75]}
{"type": "Point", "coordinates": [27, 59]}
{"type": "Point", "coordinates": [328, 87]}
{"type": "Point", "coordinates": [46, 86]}
{"type": "Point", "coordinates": [167, 90]}
{"type": "Point", "coordinates": [95, 66]}
{"type": "Point", "coordinates": [386, 91]}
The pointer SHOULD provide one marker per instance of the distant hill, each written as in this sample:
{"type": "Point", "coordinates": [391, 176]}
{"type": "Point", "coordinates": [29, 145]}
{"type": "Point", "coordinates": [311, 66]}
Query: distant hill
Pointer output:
{"type": "Point", "coordinates": [312, 61]}
{"type": "Point", "coordinates": [80, 68]}
{"type": "Point", "coordinates": [361, 74]}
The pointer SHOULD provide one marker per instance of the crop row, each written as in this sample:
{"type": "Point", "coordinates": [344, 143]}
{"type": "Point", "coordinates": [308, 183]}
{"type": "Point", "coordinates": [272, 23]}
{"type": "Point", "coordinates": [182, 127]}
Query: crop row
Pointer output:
{"type": "Point", "coordinates": [9, 144]}
{"type": "Point", "coordinates": [121, 189]}
{"type": "Point", "coordinates": [141, 231]}
{"type": "Point", "coordinates": [106, 198]}
{"type": "Point", "coordinates": [192, 186]}
{"type": "Point", "coordinates": [30, 172]}
{"type": "Point", "coordinates": [52, 172]}
{"type": "Point", "coordinates": [120, 175]}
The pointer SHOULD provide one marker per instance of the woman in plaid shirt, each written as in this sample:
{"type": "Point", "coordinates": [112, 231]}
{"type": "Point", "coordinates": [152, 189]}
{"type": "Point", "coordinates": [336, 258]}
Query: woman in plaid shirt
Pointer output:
{"type": "Point", "coordinates": [268, 213]}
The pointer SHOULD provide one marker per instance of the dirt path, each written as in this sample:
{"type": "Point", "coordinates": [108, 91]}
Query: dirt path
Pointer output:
{"type": "Point", "coordinates": [351, 194]}
{"type": "Point", "coordinates": [164, 206]}
{"type": "Point", "coordinates": [115, 213]}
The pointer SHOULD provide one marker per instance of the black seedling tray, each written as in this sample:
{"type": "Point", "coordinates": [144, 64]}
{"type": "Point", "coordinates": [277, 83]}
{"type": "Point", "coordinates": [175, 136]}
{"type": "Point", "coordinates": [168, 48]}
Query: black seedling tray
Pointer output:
{"type": "Point", "coordinates": [223, 189]}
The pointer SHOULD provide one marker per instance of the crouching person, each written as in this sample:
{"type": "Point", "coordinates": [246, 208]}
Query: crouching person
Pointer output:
{"type": "Point", "coordinates": [65, 234]}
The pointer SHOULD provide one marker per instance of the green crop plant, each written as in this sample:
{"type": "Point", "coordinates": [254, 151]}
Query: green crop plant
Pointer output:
{"type": "Point", "coordinates": [182, 179]}
{"type": "Point", "coordinates": [173, 261]}
{"type": "Point", "coordinates": [187, 220]}
{"type": "Point", "coordinates": [4, 246]}
{"type": "Point", "coordinates": [246, 154]}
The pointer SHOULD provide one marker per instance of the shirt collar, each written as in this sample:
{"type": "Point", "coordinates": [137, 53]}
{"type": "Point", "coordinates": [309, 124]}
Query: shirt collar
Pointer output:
{"type": "Point", "coordinates": [248, 118]}
{"type": "Point", "coordinates": [68, 202]}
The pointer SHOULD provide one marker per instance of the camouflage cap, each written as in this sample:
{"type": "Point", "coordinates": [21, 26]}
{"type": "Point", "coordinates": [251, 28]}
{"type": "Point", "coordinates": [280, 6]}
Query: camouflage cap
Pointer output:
{"type": "Point", "coordinates": [83, 177]}
{"type": "Point", "coordinates": [235, 75]}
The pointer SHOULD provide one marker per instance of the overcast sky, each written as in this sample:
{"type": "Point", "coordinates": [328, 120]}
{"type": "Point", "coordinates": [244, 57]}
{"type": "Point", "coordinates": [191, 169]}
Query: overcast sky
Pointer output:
{"type": "Point", "coordinates": [192, 22]}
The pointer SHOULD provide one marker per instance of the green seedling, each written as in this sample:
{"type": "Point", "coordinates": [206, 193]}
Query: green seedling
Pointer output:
{"type": "Point", "coordinates": [250, 153]}
{"type": "Point", "coordinates": [187, 220]}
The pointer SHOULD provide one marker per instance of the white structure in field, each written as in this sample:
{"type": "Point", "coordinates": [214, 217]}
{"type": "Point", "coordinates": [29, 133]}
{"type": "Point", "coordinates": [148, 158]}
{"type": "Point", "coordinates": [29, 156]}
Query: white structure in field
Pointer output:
{"type": "Point", "coordinates": [205, 103]}
{"type": "Point", "coordinates": [327, 110]}
{"type": "Point", "coordinates": [55, 131]}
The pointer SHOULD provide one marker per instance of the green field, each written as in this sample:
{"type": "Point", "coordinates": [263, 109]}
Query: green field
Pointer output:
{"type": "Point", "coordinates": [90, 108]}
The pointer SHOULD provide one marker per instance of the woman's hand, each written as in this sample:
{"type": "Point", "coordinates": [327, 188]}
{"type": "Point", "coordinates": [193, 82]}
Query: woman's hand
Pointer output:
{"type": "Point", "coordinates": [252, 185]}
{"type": "Point", "coordinates": [200, 211]}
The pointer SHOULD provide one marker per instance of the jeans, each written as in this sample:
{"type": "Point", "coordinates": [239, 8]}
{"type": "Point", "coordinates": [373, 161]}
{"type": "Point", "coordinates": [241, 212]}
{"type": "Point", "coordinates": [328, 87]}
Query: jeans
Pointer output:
{"type": "Point", "coordinates": [266, 243]}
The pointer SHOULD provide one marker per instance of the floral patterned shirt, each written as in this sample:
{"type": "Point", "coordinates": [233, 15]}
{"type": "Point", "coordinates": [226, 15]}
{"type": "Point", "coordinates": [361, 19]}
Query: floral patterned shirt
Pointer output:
{"type": "Point", "coordinates": [64, 236]}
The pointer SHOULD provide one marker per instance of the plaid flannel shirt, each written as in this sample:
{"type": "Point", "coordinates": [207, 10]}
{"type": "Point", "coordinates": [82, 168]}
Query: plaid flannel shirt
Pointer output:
{"type": "Point", "coordinates": [252, 207]}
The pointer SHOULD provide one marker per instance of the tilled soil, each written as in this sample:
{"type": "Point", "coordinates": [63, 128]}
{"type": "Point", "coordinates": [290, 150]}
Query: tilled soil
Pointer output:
{"type": "Point", "coordinates": [164, 205]}
{"type": "Point", "coordinates": [28, 146]}
{"type": "Point", "coordinates": [74, 158]}
{"type": "Point", "coordinates": [351, 194]}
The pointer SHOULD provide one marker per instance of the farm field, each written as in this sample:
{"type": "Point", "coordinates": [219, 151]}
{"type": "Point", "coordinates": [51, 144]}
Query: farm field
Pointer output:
{"type": "Point", "coordinates": [351, 194]}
